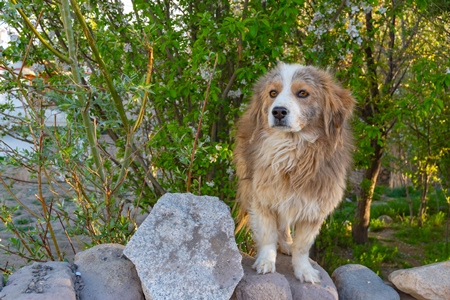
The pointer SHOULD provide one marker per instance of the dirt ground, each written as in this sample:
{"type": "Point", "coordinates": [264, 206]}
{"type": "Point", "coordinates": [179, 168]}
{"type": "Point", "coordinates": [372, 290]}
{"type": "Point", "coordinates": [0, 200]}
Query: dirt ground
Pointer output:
{"type": "Point", "coordinates": [25, 191]}
{"type": "Point", "coordinates": [409, 253]}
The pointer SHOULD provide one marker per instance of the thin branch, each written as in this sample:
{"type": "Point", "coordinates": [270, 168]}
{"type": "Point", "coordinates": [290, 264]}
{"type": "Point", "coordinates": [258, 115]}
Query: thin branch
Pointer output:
{"type": "Point", "coordinates": [89, 128]}
{"type": "Point", "coordinates": [39, 36]}
{"type": "Point", "coordinates": [199, 128]}
{"type": "Point", "coordinates": [102, 66]}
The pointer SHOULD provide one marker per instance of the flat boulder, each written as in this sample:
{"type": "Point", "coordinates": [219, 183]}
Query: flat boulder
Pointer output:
{"type": "Point", "coordinates": [430, 282]}
{"type": "Point", "coordinates": [185, 249]}
{"type": "Point", "coordinates": [41, 281]}
{"type": "Point", "coordinates": [357, 282]}
{"type": "Point", "coordinates": [254, 286]}
{"type": "Point", "coordinates": [282, 284]}
{"type": "Point", "coordinates": [108, 274]}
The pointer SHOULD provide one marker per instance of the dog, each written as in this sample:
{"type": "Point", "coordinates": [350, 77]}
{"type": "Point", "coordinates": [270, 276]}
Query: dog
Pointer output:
{"type": "Point", "coordinates": [292, 152]}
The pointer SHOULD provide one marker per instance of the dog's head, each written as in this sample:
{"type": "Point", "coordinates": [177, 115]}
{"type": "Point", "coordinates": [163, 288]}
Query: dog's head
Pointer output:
{"type": "Point", "coordinates": [296, 98]}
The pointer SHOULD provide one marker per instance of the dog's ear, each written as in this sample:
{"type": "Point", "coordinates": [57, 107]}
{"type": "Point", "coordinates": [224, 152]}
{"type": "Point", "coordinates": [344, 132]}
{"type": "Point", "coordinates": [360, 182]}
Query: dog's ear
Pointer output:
{"type": "Point", "coordinates": [338, 109]}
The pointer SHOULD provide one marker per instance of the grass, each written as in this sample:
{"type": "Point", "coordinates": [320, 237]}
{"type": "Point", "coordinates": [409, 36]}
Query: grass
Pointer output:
{"type": "Point", "coordinates": [336, 246]}
{"type": "Point", "coordinates": [23, 221]}
{"type": "Point", "coordinates": [377, 225]}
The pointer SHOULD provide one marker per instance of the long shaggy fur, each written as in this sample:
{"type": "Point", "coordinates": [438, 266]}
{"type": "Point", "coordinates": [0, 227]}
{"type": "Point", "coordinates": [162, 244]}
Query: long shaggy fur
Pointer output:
{"type": "Point", "coordinates": [292, 171]}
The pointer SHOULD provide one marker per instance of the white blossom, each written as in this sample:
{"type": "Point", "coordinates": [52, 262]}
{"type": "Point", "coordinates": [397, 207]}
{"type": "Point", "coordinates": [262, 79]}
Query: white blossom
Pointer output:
{"type": "Point", "coordinates": [210, 183]}
{"type": "Point", "coordinates": [235, 94]}
{"type": "Point", "coordinates": [65, 67]}
{"type": "Point", "coordinates": [366, 7]}
{"type": "Point", "coordinates": [37, 68]}
{"type": "Point", "coordinates": [352, 31]}
{"type": "Point", "coordinates": [205, 73]}
{"type": "Point", "coordinates": [355, 9]}
{"type": "Point", "coordinates": [317, 16]}
{"type": "Point", "coordinates": [447, 71]}
{"type": "Point", "coordinates": [359, 40]}
{"type": "Point", "coordinates": [382, 10]}
{"type": "Point", "coordinates": [13, 37]}
{"type": "Point", "coordinates": [127, 47]}
{"type": "Point", "coordinates": [230, 171]}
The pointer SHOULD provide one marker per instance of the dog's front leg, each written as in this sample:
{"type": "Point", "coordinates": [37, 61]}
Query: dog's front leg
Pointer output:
{"type": "Point", "coordinates": [305, 233]}
{"type": "Point", "coordinates": [284, 238]}
{"type": "Point", "coordinates": [264, 228]}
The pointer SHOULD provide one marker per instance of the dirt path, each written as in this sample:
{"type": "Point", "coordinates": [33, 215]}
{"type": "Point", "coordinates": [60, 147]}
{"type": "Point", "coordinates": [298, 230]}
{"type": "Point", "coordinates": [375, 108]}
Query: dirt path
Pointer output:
{"type": "Point", "coordinates": [26, 193]}
{"type": "Point", "coordinates": [411, 255]}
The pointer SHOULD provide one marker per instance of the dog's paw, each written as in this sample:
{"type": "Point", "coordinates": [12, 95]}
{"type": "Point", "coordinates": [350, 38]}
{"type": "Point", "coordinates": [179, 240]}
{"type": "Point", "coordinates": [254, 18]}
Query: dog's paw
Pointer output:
{"type": "Point", "coordinates": [264, 265]}
{"type": "Point", "coordinates": [265, 259]}
{"type": "Point", "coordinates": [307, 274]}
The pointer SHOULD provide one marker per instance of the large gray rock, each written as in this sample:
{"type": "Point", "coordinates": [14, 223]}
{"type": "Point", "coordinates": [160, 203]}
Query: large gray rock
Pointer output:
{"type": "Point", "coordinates": [282, 284]}
{"type": "Point", "coordinates": [108, 274]}
{"type": "Point", "coordinates": [41, 281]}
{"type": "Point", "coordinates": [185, 249]}
{"type": "Point", "coordinates": [357, 282]}
{"type": "Point", "coordinates": [426, 282]}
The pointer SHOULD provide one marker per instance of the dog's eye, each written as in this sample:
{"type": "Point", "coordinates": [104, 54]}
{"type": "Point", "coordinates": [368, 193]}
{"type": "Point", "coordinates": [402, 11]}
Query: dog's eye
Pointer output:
{"type": "Point", "coordinates": [273, 93]}
{"type": "Point", "coordinates": [302, 94]}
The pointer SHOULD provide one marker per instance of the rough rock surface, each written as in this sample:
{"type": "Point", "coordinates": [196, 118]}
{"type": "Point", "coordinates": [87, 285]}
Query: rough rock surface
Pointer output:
{"type": "Point", "coordinates": [41, 281]}
{"type": "Point", "coordinates": [386, 219]}
{"type": "Point", "coordinates": [357, 282]}
{"type": "Point", "coordinates": [425, 282]}
{"type": "Point", "coordinates": [403, 295]}
{"type": "Point", "coordinates": [108, 274]}
{"type": "Point", "coordinates": [282, 284]}
{"type": "Point", "coordinates": [185, 249]}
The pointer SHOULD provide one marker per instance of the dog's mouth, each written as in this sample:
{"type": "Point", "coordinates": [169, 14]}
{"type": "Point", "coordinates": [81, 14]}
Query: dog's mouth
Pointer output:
{"type": "Point", "coordinates": [281, 126]}
{"type": "Point", "coordinates": [279, 123]}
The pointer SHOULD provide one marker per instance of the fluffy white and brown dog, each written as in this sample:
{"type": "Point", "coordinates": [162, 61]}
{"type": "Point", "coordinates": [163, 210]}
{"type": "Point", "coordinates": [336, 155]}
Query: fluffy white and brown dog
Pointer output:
{"type": "Point", "coordinates": [293, 149]}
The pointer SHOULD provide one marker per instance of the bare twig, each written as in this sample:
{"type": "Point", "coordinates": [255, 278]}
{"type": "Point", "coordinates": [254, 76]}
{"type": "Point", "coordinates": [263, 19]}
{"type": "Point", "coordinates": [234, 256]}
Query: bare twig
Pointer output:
{"type": "Point", "coordinates": [199, 127]}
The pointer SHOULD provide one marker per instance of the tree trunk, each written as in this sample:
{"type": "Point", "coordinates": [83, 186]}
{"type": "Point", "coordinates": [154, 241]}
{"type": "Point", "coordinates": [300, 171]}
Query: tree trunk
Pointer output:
{"type": "Point", "coordinates": [362, 217]}
{"type": "Point", "coordinates": [408, 199]}
{"type": "Point", "coordinates": [423, 199]}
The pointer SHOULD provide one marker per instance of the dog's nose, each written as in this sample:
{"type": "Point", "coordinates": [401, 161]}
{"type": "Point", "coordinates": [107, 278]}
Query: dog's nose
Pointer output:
{"type": "Point", "coordinates": [279, 112]}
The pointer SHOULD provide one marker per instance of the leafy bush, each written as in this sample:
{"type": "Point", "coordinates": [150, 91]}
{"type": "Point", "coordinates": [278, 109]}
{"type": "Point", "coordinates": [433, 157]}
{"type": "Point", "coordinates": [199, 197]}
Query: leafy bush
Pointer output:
{"type": "Point", "coordinates": [437, 219]}
{"type": "Point", "coordinates": [373, 255]}
{"type": "Point", "coordinates": [150, 98]}
{"type": "Point", "coordinates": [377, 225]}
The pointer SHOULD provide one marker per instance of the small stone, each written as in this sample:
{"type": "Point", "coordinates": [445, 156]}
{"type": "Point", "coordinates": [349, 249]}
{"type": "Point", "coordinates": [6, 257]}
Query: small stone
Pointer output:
{"type": "Point", "coordinates": [113, 278]}
{"type": "Point", "coordinates": [357, 282]}
{"type": "Point", "coordinates": [59, 283]}
{"type": "Point", "coordinates": [386, 219]}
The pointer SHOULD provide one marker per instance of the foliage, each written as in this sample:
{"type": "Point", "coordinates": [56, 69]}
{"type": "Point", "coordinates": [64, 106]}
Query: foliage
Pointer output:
{"type": "Point", "coordinates": [377, 225]}
{"type": "Point", "coordinates": [150, 96]}
{"type": "Point", "coordinates": [373, 255]}
{"type": "Point", "coordinates": [335, 247]}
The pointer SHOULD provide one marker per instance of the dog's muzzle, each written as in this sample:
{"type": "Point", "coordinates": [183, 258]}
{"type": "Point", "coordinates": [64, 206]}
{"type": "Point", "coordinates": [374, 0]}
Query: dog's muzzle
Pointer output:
{"type": "Point", "coordinates": [279, 114]}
